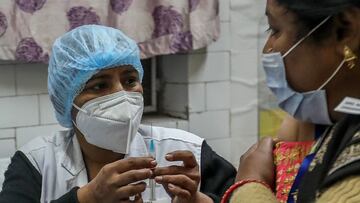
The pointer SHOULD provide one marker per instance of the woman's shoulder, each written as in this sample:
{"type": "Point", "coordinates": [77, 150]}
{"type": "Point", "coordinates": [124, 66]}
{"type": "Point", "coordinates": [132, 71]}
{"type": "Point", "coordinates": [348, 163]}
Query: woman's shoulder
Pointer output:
{"type": "Point", "coordinates": [340, 151]}
{"type": "Point", "coordinates": [55, 139]}
{"type": "Point", "coordinates": [336, 157]}
{"type": "Point", "coordinates": [41, 146]}
{"type": "Point", "coordinates": [347, 159]}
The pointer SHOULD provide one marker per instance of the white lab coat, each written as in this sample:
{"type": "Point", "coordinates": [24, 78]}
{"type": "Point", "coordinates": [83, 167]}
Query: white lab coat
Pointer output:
{"type": "Point", "coordinates": [59, 160]}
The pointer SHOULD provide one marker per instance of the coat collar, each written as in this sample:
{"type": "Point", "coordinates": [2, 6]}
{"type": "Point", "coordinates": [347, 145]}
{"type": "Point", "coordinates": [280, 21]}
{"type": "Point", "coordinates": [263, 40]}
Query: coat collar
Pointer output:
{"type": "Point", "coordinates": [75, 173]}
{"type": "Point", "coordinates": [72, 160]}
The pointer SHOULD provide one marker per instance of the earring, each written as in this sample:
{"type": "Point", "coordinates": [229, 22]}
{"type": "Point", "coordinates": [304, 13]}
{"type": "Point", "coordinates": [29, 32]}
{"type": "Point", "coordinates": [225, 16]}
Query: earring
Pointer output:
{"type": "Point", "coordinates": [349, 57]}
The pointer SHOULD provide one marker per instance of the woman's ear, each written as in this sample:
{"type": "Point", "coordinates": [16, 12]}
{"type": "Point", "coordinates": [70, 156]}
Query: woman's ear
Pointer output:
{"type": "Point", "coordinates": [348, 30]}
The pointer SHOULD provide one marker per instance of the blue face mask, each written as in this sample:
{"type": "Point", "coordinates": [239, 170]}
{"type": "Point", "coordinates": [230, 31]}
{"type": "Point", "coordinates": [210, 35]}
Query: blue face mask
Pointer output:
{"type": "Point", "coordinates": [305, 106]}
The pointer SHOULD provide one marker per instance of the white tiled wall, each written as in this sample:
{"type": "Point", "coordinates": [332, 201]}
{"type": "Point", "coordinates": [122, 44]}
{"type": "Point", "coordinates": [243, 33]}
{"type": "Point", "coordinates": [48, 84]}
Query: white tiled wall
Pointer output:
{"type": "Point", "coordinates": [209, 67]}
{"type": "Point", "coordinates": [218, 95]}
{"type": "Point", "coordinates": [210, 124]}
{"type": "Point", "coordinates": [8, 147]}
{"type": "Point", "coordinates": [197, 100]}
{"type": "Point", "coordinates": [222, 81]}
{"type": "Point", "coordinates": [176, 97]}
{"type": "Point", "coordinates": [31, 79]}
{"type": "Point", "coordinates": [7, 81]}
{"type": "Point", "coordinates": [175, 68]}
{"type": "Point", "coordinates": [25, 111]}
{"type": "Point", "coordinates": [47, 115]}
{"type": "Point", "coordinates": [19, 111]}
{"type": "Point", "coordinates": [225, 10]}
{"type": "Point", "coordinates": [215, 89]}
{"type": "Point", "coordinates": [7, 133]}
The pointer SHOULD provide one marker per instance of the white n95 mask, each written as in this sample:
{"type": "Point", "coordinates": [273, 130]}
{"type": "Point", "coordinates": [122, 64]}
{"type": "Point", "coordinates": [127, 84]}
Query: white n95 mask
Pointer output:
{"type": "Point", "coordinates": [306, 106]}
{"type": "Point", "coordinates": [111, 121]}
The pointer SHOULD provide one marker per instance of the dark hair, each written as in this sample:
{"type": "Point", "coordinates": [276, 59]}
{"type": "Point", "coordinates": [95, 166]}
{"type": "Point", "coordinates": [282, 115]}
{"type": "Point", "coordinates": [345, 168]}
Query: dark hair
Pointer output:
{"type": "Point", "coordinates": [311, 12]}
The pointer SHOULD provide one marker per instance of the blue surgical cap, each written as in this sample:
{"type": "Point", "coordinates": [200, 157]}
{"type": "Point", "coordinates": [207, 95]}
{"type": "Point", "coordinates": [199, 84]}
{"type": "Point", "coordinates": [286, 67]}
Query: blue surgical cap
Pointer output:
{"type": "Point", "coordinates": [80, 54]}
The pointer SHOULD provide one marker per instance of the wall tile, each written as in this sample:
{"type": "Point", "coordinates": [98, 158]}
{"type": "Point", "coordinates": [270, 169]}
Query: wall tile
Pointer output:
{"type": "Point", "coordinates": [7, 80]}
{"type": "Point", "coordinates": [175, 97]}
{"type": "Point", "coordinates": [225, 10]}
{"type": "Point", "coordinates": [47, 112]}
{"type": "Point", "coordinates": [245, 66]}
{"type": "Point", "coordinates": [7, 148]}
{"type": "Point", "coordinates": [19, 111]}
{"type": "Point", "coordinates": [196, 97]}
{"type": "Point", "coordinates": [174, 68]}
{"type": "Point", "coordinates": [244, 121]}
{"type": "Point", "coordinates": [182, 125]}
{"type": "Point", "coordinates": [210, 124]}
{"type": "Point", "coordinates": [218, 95]}
{"type": "Point", "coordinates": [209, 67]}
{"type": "Point", "coordinates": [31, 79]}
{"type": "Point", "coordinates": [7, 133]}
{"type": "Point", "coordinates": [243, 95]}
{"type": "Point", "coordinates": [249, 10]}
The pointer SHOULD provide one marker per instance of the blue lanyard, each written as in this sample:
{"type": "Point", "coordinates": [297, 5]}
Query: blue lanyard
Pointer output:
{"type": "Point", "coordinates": [319, 130]}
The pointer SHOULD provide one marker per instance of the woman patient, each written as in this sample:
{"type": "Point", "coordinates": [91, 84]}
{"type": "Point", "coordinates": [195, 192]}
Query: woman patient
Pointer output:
{"type": "Point", "coordinates": [94, 83]}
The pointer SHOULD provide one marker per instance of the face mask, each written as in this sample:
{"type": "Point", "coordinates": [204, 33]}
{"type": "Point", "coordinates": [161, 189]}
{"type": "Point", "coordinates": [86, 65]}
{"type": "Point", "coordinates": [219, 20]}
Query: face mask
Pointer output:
{"type": "Point", "coordinates": [111, 121]}
{"type": "Point", "coordinates": [307, 106]}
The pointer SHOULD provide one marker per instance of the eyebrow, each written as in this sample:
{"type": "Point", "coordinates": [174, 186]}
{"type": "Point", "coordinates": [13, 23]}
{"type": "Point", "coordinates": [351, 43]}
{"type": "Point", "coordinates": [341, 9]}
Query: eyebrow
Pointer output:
{"type": "Point", "coordinates": [100, 76]}
{"type": "Point", "coordinates": [126, 73]}
{"type": "Point", "coordinates": [129, 71]}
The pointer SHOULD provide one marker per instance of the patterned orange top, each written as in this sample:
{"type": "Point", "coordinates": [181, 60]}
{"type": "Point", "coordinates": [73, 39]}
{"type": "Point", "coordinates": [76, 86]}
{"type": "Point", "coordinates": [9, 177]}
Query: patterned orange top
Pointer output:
{"type": "Point", "coordinates": [288, 157]}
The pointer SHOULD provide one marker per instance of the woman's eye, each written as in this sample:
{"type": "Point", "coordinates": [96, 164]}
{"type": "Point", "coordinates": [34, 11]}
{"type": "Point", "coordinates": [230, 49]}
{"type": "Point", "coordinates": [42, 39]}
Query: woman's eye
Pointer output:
{"type": "Point", "coordinates": [131, 81]}
{"type": "Point", "coordinates": [97, 87]}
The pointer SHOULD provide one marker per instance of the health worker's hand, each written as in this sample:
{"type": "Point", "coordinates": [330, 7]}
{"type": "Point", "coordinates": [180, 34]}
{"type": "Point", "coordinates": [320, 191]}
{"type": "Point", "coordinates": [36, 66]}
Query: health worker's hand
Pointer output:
{"type": "Point", "coordinates": [181, 182]}
{"type": "Point", "coordinates": [118, 181]}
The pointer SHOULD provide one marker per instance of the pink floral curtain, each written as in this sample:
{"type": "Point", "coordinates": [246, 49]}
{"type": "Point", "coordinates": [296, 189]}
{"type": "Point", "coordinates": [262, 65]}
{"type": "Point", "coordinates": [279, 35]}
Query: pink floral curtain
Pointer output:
{"type": "Point", "coordinates": [29, 27]}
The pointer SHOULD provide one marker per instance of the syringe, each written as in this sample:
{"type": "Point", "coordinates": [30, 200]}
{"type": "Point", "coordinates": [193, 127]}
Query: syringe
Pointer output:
{"type": "Point", "coordinates": [152, 181]}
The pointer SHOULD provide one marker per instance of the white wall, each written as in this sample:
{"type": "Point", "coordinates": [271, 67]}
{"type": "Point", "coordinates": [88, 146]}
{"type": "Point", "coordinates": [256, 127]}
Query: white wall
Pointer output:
{"type": "Point", "coordinates": [25, 109]}
{"type": "Point", "coordinates": [214, 89]}
{"type": "Point", "coordinates": [245, 17]}
{"type": "Point", "coordinates": [217, 87]}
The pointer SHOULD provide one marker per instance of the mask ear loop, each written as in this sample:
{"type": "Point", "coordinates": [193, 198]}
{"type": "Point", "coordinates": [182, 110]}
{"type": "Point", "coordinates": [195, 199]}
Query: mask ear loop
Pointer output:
{"type": "Point", "coordinates": [306, 36]}
{"type": "Point", "coordinates": [332, 76]}
{"type": "Point", "coordinates": [79, 109]}
{"type": "Point", "coordinates": [75, 124]}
